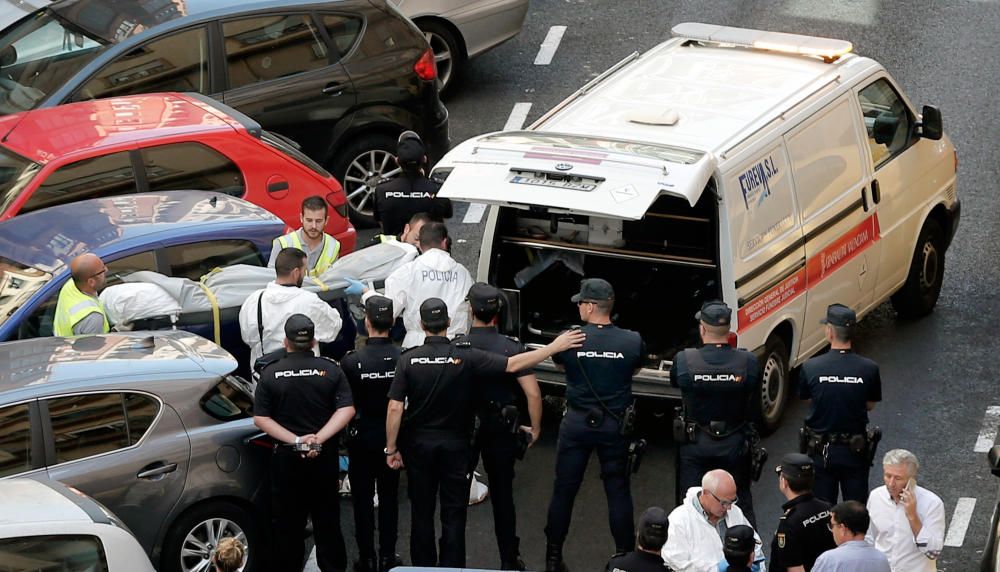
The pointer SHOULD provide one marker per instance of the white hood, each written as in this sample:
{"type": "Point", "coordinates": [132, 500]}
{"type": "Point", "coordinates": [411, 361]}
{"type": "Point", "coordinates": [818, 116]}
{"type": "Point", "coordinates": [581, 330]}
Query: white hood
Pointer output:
{"type": "Point", "coordinates": [693, 544]}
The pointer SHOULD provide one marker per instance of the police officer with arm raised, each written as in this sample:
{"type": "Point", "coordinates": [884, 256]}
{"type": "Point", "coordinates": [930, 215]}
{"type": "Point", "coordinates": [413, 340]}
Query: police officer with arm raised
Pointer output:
{"type": "Point", "coordinates": [720, 387]}
{"type": "Point", "coordinates": [437, 380]}
{"type": "Point", "coordinates": [370, 371]}
{"type": "Point", "coordinates": [599, 402]}
{"type": "Point", "coordinates": [396, 200]}
{"type": "Point", "coordinates": [803, 533]}
{"type": "Point", "coordinates": [843, 387]}
{"type": "Point", "coordinates": [303, 399]}
{"type": "Point", "coordinates": [500, 432]}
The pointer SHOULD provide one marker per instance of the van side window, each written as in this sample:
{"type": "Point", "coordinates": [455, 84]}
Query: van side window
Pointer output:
{"type": "Point", "coordinates": [15, 440]}
{"type": "Point", "coordinates": [887, 121]}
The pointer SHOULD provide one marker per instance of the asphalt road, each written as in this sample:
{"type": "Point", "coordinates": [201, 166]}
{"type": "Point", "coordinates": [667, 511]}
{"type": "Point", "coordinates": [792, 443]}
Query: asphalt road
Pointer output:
{"type": "Point", "coordinates": [938, 378]}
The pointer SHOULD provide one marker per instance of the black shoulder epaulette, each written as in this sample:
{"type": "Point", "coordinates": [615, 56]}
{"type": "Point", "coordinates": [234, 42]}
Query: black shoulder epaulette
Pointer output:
{"type": "Point", "coordinates": [459, 337]}
{"type": "Point", "coordinates": [349, 352]}
{"type": "Point", "coordinates": [330, 359]}
{"type": "Point", "coordinates": [514, 339]}
{"type": "Point", "coordinates": [408, 350]}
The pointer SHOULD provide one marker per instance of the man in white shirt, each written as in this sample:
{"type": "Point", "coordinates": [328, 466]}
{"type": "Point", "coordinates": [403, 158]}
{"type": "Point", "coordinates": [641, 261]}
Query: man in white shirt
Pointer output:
{"type": "Point", "coordinates": [264, 313]}
{"type": "Point", "coordinates": [698, 525]}
{"type": "Point", "coordinates": [433, 274]}
{"type": "Point", "coordinates": [907, 521]}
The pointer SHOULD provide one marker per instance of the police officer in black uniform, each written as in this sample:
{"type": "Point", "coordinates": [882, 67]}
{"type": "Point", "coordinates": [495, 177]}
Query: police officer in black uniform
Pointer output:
{"type": "Point", "coordinates": [370, 371]}
{"type": "Point", "coordinates": [438, 380]}
{"type": "Point", "coordinates": [652, 535]}
{"type": "Point", "coordinates": [843, 387]}
{"type": "Point", "coordinates": [803, 533]}
{"type": "Point", "coordinates": [305, 400]}
{"type": "Point", "coordinates": [719, 386]}
{"type": "Point", "coordinates": [398, 199]}
{"type": "Point", "coordinates": [501, 433]}
{"type": "Point", "coordinates": [598, 393]}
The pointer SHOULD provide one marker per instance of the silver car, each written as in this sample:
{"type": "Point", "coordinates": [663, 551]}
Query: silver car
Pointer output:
{"type": "Point", "coordinates": [150, 424]}
{"type": "Point", "coordinates": [459, 30]}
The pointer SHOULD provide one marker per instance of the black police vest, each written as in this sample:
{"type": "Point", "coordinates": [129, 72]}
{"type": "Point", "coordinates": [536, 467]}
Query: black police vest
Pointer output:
{"type": "Point", "coordinates": [718, 391]}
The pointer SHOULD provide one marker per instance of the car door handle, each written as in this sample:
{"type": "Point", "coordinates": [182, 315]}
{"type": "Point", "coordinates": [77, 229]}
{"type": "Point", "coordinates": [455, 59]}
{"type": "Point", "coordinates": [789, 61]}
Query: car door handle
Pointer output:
{"type": "Point", "coordinates": [864, 198]}
{"type": "Point", "coordinates": [333, 89]}
{"type": "Point", "coordinates": [876, 192]}
{"type": "Point", "coordinates": [156, 470]}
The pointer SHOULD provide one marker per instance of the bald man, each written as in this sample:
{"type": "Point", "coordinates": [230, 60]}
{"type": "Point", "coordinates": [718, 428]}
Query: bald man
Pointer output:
{"type": "Point", "coordinates": [78, 311]}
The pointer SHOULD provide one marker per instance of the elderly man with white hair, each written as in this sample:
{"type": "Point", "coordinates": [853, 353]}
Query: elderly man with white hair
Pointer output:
{"type": "Point", "coordinates": [907, 521]}
{"type": "Point", "coordinates": [698, 525]}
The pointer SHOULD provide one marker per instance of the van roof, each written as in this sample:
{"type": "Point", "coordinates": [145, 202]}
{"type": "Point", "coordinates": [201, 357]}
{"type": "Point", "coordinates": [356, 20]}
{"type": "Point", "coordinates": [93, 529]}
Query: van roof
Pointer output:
{"type": "Point", "coordinates": [717, 92]}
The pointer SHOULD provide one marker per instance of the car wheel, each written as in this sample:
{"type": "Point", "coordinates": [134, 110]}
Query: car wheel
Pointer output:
{"type": "Point", "coordinates": [359, 167]}
{"type": "Point", "coordinates": [774, 384]}
{"type": "Point", "coordinates": [448, 54]}
{"type": "Point", "coordinates": [919, 294]}
{"type": "Point", "coordinates": [190, 544]}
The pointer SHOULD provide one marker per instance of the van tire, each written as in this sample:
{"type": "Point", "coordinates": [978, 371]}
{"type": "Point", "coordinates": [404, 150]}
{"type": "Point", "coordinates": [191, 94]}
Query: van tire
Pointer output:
{"type": "Point", "coordinates": [775, 380]}
{"type": "Point", "coordinates": [919, 294]}
{"type": "Point", "coordinates": [192, 523]}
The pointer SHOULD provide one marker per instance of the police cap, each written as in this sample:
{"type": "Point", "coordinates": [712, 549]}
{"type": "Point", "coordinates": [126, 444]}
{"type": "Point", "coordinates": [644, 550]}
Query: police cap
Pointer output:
{"type": "Point", "coordinates": [594, 290]}
{"type": "Point", "coordinates": [299, 328]}
{"type": "Point", "coordinates": [378, 308]}
{"type": "Point", "coordinates": [653, 525]}
{"type": "Point", "coordinates": [795, 465]}
{"type": "Point", "coordinates": [484, 298]}
{"type": "Point", "coordinates": [714, 313]}
{"type": "Point", "coordinates": [410, 148]}
{"type": "Point", "coordinates": [840, 315]}
{"type": "Point", "coordinates": [433, 311]}
{"type": "Point", "coordinates": [740, 538]}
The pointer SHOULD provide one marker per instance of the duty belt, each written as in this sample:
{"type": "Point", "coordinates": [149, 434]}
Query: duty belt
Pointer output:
{"type": "Point", "coordinates": [721, 429]}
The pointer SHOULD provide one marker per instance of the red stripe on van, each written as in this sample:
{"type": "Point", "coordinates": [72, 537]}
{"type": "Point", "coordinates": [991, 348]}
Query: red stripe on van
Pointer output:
{"type": "Point", "coordinates": [818, 268]}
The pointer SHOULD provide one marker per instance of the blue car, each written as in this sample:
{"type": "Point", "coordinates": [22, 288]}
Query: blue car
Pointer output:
{"type": "Point", "coordinates": [177, 233]}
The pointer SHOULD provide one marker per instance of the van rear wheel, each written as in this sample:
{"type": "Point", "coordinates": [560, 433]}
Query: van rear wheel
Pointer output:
{"type": "Point", "coordinates": [919, 294]}
{"type": "Point", "coordinates": [774, 384]}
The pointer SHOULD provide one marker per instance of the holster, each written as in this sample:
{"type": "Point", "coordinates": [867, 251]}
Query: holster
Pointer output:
{"type": "Point", "coordinates": [872, 437]}
{"type": "Point", "coordinates": [685, 430]}
{"type": "Point", "coordinates": [627, 426]}
{"type": "Point", "coordinates": [758, 454]}
{"type": "Point", "coordinates": [810, 442]}
{"type": "Point", "coordinates": [350, 433]}
{"type": "Point", "coordinates": [636, 451]}
{"type": "Point", "coordinates": [511, 417]}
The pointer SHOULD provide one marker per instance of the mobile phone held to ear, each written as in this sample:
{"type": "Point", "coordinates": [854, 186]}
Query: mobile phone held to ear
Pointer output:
{"type": "Point", "coordinates": [911, 485]}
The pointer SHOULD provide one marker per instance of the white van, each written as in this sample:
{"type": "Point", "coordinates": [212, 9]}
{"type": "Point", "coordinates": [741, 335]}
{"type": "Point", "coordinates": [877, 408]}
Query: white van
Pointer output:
{"type": "Point", "coordinates": [777, 172]}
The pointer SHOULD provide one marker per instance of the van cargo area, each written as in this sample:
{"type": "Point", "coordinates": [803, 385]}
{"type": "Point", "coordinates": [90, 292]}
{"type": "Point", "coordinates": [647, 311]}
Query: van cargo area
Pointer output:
{"type": "Point", "coordinates": [662, 268]}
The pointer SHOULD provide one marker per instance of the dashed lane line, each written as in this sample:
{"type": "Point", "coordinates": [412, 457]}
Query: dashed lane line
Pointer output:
{"type": "Point", "coordinates": [549, 45]}
{"type": "Point", "coordinates": [988, 434]}
{"type": "Point", "coordinates": [474, 214]}
{"type": "Point", "coordinates": [960, 522]}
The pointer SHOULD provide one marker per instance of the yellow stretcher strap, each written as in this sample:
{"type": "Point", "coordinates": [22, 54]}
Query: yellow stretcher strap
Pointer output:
{"type": "Point", "coordinates": [322, 285]}
{"type": "Point", "coordinates": [215, 312]}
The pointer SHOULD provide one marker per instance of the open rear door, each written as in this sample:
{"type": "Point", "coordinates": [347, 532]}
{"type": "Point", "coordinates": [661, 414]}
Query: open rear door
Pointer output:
{"type": "Point", "coordinates": [571, 173]}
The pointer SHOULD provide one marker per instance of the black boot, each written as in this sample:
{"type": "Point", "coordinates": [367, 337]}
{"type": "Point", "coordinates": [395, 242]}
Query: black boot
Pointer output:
{"type": "Point", "coordinates": [553, 558]}
{"type": "Point", "coordinates": [515, 563]}
{"type": "Point", "coordinates": [389, 562]}
{"type": "Point", "coordinates": [365, 565]}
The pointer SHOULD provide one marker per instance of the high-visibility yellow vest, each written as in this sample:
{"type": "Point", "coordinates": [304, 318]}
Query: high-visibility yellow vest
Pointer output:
{"type": "Point", "coordinates": [383, 238]}
{"type": "Point", "coordinates": [73, 306]}
{"type": "Point", "coordinates": [327, 256]}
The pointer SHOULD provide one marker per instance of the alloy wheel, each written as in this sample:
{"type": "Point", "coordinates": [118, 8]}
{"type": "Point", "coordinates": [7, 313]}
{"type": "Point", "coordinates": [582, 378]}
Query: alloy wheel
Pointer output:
{"type": "Point", "coordinates": [364, 173]}
{"type": "Point", "coordinates": [200, 544]}
{"type": "Point", "coordinates": [443, 57]}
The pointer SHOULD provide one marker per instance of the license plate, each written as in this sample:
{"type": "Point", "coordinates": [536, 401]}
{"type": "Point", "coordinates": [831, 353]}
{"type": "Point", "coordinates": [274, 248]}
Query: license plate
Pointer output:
{"type": "Point", "coordinates": [552, 183]}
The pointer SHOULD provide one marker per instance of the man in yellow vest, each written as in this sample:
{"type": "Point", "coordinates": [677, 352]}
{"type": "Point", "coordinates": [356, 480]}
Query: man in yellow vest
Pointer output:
{"type": "Point", "coordinates": [321, 249]}
{"type": "Point", "coordinates": [78, 310]}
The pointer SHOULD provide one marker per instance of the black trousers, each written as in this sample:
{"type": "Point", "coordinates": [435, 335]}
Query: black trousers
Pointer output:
{"type": "Point", "coordinates": [730, 453]}
{"type": "Point", "coordinates": [577, 440]}
{"type": "Point", "coordinates": [498, 449]}
{"type": "Point", "coordinates": [841, 469]}
{"type": "Point", "coordinates": [437, 464]}
{"type": "Point", "coordinates": [368, 467]}
{"type": "Point", "coordinates": [301, 488]}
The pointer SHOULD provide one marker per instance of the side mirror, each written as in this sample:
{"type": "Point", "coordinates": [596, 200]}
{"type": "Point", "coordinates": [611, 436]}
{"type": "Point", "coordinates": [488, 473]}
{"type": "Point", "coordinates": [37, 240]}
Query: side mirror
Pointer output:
{"type": "Point", "coordinates": [994, 458]}
{"type": "Point", "coordinates": [930, 124]}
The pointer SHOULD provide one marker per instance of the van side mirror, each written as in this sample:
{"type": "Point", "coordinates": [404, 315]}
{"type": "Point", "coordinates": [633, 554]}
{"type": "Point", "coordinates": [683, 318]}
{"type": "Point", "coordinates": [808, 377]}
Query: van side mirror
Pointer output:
{"type": "Point", "coordinates": [994, 458]}
{"type": "Point", "coordinates": [930, 125]}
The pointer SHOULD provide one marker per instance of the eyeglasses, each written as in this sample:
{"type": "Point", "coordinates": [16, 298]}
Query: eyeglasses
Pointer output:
{"type": "Point", "coordinates": [582, 302]}
{"type": "Point", "coordinates": [724, 503]}
{"type": "Point", "coordinates": [96, 274]}
{"type": "Point", "coordinates": [830, 525]}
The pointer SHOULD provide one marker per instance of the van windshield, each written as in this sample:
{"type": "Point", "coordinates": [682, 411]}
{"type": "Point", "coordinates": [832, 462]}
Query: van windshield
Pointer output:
{"type": "Point", "coordinates": [559, 140]}
{"type": "Point", "coordinates": [37, 56]}
{"type": "Point", "coordinates": [18, 283]}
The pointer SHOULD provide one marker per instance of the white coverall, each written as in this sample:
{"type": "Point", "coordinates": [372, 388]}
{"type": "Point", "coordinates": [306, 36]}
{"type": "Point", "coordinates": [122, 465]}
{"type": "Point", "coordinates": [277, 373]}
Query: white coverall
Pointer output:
{"type": "Point", "coordinates": [279, 303]}
{"type": "Point", "coordinates": [693, 543]}
{"type": "Point", "coordinates": [433, 274]}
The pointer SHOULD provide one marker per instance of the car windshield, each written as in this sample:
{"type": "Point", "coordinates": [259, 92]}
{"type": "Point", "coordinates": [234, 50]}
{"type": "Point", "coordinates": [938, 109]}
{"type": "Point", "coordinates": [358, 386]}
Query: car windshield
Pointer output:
{"type": "Point", "coordinates": [15, 173]}
{"type": "Point", "coordinates": [37, 56]}
{"type": "Point", "coordinates": [18, 283]}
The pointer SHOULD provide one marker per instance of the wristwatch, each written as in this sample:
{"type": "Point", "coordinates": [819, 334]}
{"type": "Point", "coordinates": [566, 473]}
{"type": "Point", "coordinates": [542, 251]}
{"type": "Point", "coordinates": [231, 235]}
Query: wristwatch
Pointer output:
{"type": "Point", "coordinates": [298, 439]}
{"type": "Point", "coordinates": [389, 453]}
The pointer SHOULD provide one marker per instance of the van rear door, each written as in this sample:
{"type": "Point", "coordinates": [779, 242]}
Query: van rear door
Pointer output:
{"type": "Point", "coordinates": [571, 173]}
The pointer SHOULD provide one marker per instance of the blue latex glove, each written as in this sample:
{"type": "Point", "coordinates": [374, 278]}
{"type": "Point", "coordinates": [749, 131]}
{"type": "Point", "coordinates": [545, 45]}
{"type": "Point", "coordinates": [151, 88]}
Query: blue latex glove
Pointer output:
{"type": "Point", "coordinates": [356, 287]}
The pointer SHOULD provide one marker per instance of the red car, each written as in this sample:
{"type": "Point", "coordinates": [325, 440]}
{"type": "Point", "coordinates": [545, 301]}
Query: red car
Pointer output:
{"type": "Point", "coordinates": [158, 142]}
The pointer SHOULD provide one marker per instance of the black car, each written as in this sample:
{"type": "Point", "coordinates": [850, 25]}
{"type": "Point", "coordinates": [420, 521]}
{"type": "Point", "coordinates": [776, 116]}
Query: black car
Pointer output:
{"type": "Point", "coordinates": [342, 78]}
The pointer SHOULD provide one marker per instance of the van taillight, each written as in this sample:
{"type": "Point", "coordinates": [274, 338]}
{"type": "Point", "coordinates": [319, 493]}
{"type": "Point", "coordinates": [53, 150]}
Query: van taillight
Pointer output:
{"type": "Point", "coordinates": [425, 67]}
{"type": "Point", "coordinates": [732, 338]}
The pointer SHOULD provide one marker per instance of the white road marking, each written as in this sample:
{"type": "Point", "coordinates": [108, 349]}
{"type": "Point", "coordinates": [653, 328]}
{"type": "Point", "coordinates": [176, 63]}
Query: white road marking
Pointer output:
{"type": "Point", "coordinates": [517, 117]}
{"type": "Point", "coordinates": [960, 522]}
{"type": "Point", "coordinates": [549, 45]}
{"type": "Point", "coordinates": [475, 213]}
{"type": "Point", "coordinates": [988, 434]}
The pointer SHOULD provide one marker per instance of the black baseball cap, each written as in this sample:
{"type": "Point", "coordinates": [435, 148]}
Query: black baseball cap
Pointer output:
{"type": "Point", "coordinates": [410, 148]}
{"type": "Point", "coordinates": [433, 311]}
{"type": "Point", "coordinates": [740, 538]}
{"type": "Point", "coordinates": [796, 465]}
{"type": "Point", "coordinates": [714, 313]}
{"type": "Point", "coordinates": [378, 308]}
{"type": "Point", "coordinates": [484, 298]}
{"type": "Point", "coordinates": [653, 525]}
{"type": "Point", "coordinates": [594, 290]}
{"type": "Point", "coordinates": [840, 315]}
{"type": "Point", "coordinates": [299, 328]}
